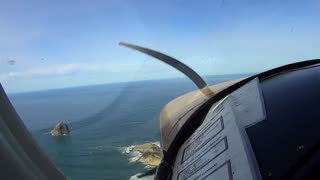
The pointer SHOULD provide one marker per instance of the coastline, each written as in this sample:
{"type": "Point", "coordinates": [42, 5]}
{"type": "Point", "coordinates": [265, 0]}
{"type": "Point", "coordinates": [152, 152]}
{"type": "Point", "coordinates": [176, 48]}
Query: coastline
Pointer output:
{"type": "Point", "coordinates": [148, 154]}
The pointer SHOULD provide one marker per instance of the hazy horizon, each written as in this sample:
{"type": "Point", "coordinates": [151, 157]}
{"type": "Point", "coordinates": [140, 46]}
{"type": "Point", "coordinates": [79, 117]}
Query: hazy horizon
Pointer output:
{"type": "Point", "coordinates": [133, 81]}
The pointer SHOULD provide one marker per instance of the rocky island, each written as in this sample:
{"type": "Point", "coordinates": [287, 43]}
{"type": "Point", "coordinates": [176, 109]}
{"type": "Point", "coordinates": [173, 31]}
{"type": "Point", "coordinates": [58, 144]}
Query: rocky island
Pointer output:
{"type": "Point", "coordinates": [61, 129]}
{"type": "Point", "coordinates": [149, 154]}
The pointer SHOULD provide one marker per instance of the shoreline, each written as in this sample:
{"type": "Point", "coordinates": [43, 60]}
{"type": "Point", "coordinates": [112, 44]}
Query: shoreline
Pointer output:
{"type": "Point", "coordinates": [148, 154]}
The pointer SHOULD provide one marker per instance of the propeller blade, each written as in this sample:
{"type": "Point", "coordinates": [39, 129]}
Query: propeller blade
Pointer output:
{"type": "Point", "coordinates": [190, 73]}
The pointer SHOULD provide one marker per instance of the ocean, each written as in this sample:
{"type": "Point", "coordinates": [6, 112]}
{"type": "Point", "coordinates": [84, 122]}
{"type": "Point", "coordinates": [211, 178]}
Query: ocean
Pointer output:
{"type": "Point", "coordinates": [104, 121]}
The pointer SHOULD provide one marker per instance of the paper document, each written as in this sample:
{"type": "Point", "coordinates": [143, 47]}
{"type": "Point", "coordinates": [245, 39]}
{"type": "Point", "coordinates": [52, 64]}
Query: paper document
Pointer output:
{"type": "Point", "coordinates": [218, 149]}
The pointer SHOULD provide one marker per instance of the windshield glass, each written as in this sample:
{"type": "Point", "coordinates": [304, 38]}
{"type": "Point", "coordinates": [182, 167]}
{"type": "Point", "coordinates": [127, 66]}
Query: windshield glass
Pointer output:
{"type": "Point", "coordinates": [61, 63]}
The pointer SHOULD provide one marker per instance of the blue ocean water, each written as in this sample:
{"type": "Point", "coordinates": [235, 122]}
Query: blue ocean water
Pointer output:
{"type": "Point", "coordinates": [104, 119]}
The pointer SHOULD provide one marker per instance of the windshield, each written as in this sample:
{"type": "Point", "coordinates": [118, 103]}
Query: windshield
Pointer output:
{"type": "Point", "coordinates": [63, 69]}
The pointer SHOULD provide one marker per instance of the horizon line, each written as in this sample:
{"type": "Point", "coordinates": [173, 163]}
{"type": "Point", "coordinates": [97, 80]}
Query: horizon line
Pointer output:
{"type": "Point", "coordinates": [118, 82]}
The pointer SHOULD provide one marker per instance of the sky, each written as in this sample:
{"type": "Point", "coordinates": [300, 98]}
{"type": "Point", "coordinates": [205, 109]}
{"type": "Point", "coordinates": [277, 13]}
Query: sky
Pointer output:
{"type": "Point", "coordinates": [57, 44]}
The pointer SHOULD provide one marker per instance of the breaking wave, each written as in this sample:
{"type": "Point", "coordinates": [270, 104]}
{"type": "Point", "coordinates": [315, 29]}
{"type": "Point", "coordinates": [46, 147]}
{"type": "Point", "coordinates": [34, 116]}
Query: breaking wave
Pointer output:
{"type": "Point", "coordinates": [133, 156]}
{"type": "Point", "coordinates": [138, 177]}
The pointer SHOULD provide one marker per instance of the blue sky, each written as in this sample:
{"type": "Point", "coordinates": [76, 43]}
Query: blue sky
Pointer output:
{"type": "Point", "coordinates": [57, 44]}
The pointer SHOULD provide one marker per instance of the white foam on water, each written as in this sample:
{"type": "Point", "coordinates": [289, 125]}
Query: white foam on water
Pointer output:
{"type": "Point", "coordinates": [127, 150]}
{"type": "Point", "coordinates": [47, 133]}
{"type": "Point", "coordinates": [134, 155]}
{"type": "Point", "coordinates": [149, 167]}
{"type": "Point", "coordinates": [135, 177]}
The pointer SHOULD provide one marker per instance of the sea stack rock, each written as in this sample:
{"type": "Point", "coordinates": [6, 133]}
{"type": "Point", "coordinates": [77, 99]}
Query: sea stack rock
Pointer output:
{"type": "Point", "coordinates": [61, 129]}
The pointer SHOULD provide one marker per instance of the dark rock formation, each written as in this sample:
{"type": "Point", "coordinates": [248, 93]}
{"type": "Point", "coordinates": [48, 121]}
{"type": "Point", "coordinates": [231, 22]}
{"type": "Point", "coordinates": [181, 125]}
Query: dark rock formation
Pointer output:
{"type": "Point", "coordinates": [61, 129]}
